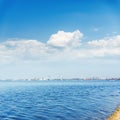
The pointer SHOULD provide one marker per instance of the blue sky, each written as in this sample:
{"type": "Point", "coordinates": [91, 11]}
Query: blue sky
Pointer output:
{"type": "Point", "coordinates": [66, 38]}
{"type": "Point", "coordinates": [38, 19]}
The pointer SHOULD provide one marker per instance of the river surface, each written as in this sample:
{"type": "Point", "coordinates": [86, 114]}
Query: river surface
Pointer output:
{"type": "Point", "coordinates": [59, 100]}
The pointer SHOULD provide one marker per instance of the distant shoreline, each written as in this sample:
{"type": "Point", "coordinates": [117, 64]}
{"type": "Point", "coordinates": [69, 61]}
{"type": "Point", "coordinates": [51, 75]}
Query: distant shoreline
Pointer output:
{"type": "Point", "coordinates": [71, 79]}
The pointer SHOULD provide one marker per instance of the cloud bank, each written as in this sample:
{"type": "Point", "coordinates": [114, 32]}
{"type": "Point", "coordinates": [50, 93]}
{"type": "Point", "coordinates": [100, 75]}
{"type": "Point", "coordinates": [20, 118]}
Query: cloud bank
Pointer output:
{"type": "Point", "coordinates": [62, 45]}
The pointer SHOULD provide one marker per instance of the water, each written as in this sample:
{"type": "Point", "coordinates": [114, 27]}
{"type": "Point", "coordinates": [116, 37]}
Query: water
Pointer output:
{"type": "Point", "coordinates": [65, 100]}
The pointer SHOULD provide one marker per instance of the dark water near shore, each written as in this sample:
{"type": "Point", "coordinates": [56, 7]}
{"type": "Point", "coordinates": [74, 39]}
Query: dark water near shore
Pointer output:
{"type": "Point", "coordinates": [65, 100]}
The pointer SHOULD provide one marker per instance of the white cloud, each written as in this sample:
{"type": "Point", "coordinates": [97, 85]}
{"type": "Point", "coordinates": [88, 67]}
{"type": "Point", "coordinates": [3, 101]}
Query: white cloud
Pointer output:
{"type": "Point", "coordinates": [109, 42]}
{"type": "Point", "coordinates": [14, 50]}
{"type": "Point", "coordinates": [109, 46]}
{"type": "Point", "coordinates": [24, 49]}
{"type": "Point", "coordinates": [66, 39]}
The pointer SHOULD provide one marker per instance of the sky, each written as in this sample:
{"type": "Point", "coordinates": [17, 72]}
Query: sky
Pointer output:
{"type": "Point", "coordinates": [59, 38]}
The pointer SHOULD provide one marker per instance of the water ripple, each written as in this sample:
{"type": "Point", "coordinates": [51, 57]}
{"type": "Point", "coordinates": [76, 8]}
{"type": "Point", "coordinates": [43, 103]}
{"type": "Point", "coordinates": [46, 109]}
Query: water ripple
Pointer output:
{"type": "Point", "coordinates": [94, 100]}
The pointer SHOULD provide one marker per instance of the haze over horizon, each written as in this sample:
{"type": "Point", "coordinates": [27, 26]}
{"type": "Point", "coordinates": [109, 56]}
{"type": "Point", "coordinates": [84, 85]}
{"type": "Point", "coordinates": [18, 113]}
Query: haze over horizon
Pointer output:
{"type": "Point", "coordinates": [67, 38]}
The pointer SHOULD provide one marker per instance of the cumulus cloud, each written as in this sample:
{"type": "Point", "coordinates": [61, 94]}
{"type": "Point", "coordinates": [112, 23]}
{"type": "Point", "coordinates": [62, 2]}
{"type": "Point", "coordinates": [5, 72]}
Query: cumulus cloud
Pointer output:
{"type": "Point", "coordinates": [12, 50]}
{"type": "Point", "coordinates": [66, 39]}
{"type": "Point", "coordinates": [106, 46]}
{"type": "Point", "coordinates": [24, 49]}
{"type": "Point", "coordinates": [106, 42]}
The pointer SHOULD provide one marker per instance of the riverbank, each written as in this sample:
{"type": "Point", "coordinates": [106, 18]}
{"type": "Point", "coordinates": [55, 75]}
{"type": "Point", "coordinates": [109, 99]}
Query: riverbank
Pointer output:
{"type": "Point", "coordinates": [115, 115]}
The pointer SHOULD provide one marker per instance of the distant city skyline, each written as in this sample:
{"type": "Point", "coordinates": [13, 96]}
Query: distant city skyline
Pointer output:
{"type": "Point", "coordinates": [67, 38]}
